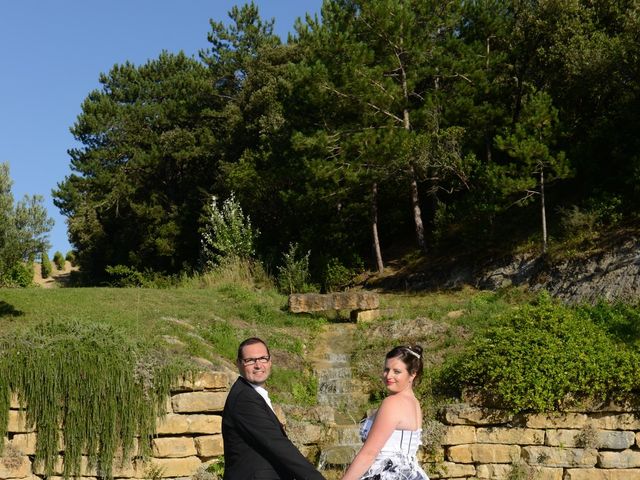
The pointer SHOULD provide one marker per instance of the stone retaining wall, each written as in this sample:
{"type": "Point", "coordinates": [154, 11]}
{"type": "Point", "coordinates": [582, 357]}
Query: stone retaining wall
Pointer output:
{"type": "Point", "coordinates": [480, 443]}
{"type": "Point", "coordinates": [189, 436]}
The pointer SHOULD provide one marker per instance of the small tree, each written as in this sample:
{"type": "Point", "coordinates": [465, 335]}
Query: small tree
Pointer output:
{"type": "Point", "coordinates": [70, 257]}
{"type": "Point", "coordinates": [45, 265]}
{"type": "Point", "coordinates": [293, 274]}
{"type": "Point", "coordinates": [530, 145]}
{"type": "Point", "coordinates": [226, 232]}
{"type": "Point", "coordinates": [58, 259]}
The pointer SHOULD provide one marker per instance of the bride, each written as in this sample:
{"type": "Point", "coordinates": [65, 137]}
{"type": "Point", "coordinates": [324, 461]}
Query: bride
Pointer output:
{"type": "Point", "coordinates": [393, 434]}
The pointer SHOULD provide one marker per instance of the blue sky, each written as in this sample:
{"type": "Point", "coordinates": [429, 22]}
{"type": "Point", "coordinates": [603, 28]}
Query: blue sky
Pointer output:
{"type": "Point", "coordinates": [52, 52]}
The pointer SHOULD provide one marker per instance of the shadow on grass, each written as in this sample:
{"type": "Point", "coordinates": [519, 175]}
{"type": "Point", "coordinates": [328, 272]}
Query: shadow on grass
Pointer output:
{"type": "Point", "coordinates": [7, 310]}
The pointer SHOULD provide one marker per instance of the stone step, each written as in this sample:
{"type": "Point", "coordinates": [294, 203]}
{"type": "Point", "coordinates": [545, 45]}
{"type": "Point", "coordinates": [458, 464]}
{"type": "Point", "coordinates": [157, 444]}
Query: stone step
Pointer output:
{"type": "Point", "coordinates": [337, 456]}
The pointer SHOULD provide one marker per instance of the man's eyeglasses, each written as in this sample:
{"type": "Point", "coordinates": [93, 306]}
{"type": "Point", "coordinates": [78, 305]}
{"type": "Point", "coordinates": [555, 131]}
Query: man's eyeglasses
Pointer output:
{"type": "Point", "coordinates": [253, 361]}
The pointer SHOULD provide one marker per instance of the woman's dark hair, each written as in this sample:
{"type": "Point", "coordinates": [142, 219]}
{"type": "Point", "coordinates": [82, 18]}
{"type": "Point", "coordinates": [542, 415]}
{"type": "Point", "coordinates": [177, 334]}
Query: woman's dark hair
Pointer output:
{"type": "Point", "coordinates": [411, 356]}
{"type": "Point", "coordinates": [251, 341]}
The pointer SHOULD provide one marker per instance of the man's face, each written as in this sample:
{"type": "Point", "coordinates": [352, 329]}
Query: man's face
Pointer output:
{"type": "Point", "coordinates": [259, 372]}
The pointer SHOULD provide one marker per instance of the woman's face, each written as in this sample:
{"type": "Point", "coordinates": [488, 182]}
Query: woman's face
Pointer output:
{"type": "Point", "coordinates": [396, 376]}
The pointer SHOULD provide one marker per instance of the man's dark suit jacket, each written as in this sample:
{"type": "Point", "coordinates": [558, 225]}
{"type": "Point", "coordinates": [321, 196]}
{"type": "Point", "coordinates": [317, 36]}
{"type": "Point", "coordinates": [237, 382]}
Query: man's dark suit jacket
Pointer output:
{"type": "Point", "coordinates": [255, 444]}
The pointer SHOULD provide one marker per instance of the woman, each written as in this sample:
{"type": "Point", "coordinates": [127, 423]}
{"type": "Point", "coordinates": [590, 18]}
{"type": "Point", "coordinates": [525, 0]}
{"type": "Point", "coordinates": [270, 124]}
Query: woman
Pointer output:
{"type": "Point", "coordinates": [393, 434]}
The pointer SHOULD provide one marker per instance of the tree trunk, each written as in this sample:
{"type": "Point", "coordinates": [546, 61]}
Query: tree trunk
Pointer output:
{"type": "Point", "coordinates": [544, 214]}
{"type": "Point", "coordinates": [417, 213]}
{"type": "Point", "coordinates": [415, 198]}
{"type": "Point", "coordinates": [374, 227]}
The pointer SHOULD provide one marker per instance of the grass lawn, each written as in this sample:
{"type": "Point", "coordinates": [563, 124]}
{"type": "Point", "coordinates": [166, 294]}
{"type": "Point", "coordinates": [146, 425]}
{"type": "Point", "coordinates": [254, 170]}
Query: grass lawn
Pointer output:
{"type": "Point", "coordinates": [209, 323]}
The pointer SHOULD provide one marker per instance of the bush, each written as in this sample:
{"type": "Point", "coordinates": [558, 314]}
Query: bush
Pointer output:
{"type": "Point", "coordinates": [293, 274]}
{"type": "Point", "coordinates": [45, 265]}
{"type": "Point", "coordinates": [71, 258]}
{"type": "Point", "coordinates": [226, 232]}
{"type": "Point", "coordinates": [20, 275]}
{"type": "Point", "coordinates": [123, 276]}
{"type": "Point", "coordinates": [545, 357]}
{"type": "Point", "coordinates": [336, 276]}
{"type": "Point", "coordinates": [58, 260]}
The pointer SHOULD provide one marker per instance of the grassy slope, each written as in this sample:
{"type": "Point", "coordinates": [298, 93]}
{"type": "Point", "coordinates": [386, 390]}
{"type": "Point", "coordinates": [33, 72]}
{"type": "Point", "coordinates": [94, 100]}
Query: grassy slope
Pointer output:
{"type": "Point", "coordinates": [209, 323]}
{"type": "Point", "coordinates": [194, 322]}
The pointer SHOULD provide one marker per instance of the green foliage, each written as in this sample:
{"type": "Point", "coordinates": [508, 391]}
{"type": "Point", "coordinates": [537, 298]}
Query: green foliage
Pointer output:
{"type": "Point", "coordinates": [217, 468]}
{"type": "Point", "coordinates": [544, 357]}
{"type": "Point", "coordinates": [295, 386]}
{"type": "Point", "coordinates": [89, 385]}
{"type": "Point", "coordinates": [45, 265]}
{"type": "Point", "coordinates": [71, 258]}
{"type": "Point", "coordinates": [58, 260]}
{"type": "Point", "coordinates": [152, 127]}
{"type": "Point", "coordinates": [21, 275]}
{"type": "Point", "coordinates": [123, 276]}
{"type": "Point", "coordinates": [226, 232]}
{"type": "Point", "coordinates": [293, 274]}
{"type": "Point", "coordinates": [483, 101]}
{"type": "Point", "coordinates": [238, 271]}
{"type": "Point", "coordinates": [336, 276]}
{"type": "Point", "coordinates": [23, 229]}
{"type": "Point", "coordinates": [621, 320]}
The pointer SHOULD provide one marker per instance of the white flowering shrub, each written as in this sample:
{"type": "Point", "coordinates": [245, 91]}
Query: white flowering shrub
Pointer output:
{"type": "Point", "coordinates": [226, 232]}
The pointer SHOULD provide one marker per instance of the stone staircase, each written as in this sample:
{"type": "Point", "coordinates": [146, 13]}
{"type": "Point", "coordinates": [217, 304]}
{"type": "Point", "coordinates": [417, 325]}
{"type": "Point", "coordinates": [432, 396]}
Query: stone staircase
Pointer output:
{"type": "Point", "coordinates": [343, 393]}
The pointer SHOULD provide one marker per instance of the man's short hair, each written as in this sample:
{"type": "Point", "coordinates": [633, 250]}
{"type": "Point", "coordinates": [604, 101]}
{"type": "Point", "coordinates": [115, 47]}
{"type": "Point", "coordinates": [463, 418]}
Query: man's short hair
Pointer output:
{"type": "Point", "coordinates": [251, 341]}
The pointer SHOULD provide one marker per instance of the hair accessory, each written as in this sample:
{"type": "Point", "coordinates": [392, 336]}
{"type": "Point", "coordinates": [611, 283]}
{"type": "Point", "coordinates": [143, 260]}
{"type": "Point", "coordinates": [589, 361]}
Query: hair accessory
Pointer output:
{"type": "Point", "coordinates": [412, 352]}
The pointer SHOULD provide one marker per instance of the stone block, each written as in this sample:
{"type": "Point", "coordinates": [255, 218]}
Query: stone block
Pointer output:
{"type": "Point", "coordinates": [625, 459]}
{"type": "Point", "coordinates": [464, 414]}
{"type": "Point", "coordinates": [305, 433]}
{"type": "Point", "coordinates": [556, 420]}
{"type": "Point", "coordinates": [318, 302]}
{"type": "Point", "coordinates": [458, 435]}
{"type": "Point", "coordinates": [560, 457]}
{"type": "Point", "coordinates": [619, 421]}
{"type": "Point", "coordinates": [510, 436]}
{"type": "Point", "coordinates": [604, 439]}
{"type": "Point", "coordinates": [24, 443]}
{"type": "Point", "coordinates": [197, 402]}
{"type": "Point", "coordinates": [493, 471]}
{"type": "Point", "coordinates": [14, 403]}
{"type": "Point", "coordinates": [175, 424]}
{"type": "Point", "coordinates": [483, 453]}
{"type": "Point", "coordinates": [364, 315]}
{"type": "Point", "coordinates": [545, 473]}
{"type": "Point", "coordinates": [206, 380]}
{"type": "Point", "coordinates": [209, 445]}
{"type": "Point", "coordinates": [14, 466]}
{"type": "Point", "coordinates": [17, 422]}
{"type": "Point", "coordinates": [174, 467]}
{"type": "Point", "coordinates": [173, 447]}
{"type": "Point", "coordinates": [451, 470]}
{"type": "Point", "coordinates": [601, 474]}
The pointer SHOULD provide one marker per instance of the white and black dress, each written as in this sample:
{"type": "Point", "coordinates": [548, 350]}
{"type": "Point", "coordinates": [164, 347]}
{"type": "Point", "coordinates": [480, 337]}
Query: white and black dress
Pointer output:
{"type": "Point", "coordinates": [397, 458]}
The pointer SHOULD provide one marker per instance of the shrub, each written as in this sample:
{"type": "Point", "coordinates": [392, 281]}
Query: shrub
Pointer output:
{"type": "Point", "coordinates": [545, 357]}
{"type": "Point", "coordinates": [58, 260]}
{"type": "Point", "coordinates": [124, 276]}
{"type": "Point", "coordinates": [71, 258]}
{"type": "Point", "coordinates": [225, 232]}
{"type": "Point", "coordinates": [45, 265]}
{"type": "Point", "coordinates": [293, 274]}
{"type": "Point", "coordinates": [336, 276]}
{"type": "Point", "coordinates": [234, 270]}
{"type": "Point", "coordinates": [21, 275]}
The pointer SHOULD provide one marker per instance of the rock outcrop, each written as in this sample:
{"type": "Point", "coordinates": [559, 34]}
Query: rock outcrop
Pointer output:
{"type": "Point", "coordinates": [613, 274]}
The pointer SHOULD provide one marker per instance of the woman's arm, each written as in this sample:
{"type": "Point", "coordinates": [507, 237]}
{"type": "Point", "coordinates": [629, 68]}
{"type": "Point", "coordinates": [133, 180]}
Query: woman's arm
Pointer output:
{"type": "Point", "coordinates": [383, 426]}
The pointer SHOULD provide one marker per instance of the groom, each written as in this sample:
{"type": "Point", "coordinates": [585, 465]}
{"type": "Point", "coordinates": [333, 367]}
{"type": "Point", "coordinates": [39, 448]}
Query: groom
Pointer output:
{"type": "Point", "coordinates": [255, 444]}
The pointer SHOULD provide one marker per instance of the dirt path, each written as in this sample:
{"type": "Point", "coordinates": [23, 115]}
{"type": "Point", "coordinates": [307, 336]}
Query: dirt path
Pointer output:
{"type": "Point", "coordinates": [58, 278]}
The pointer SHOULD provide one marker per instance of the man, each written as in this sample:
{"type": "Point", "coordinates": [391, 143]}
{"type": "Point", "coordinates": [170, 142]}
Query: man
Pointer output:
{"type": "Point", "coordinates": [255, 444]}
